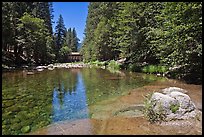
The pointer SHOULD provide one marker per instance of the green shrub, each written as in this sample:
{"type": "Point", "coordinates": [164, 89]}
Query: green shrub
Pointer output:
{"type": "Point", "coordinates": [161, 69]}
{"type": "Point", "coordinates": [145, 69]}
{"type": "Point", "coordinates": [97, 63]}
{"type": "Point", "coordinates": [154, 69]}
{"type": "Point", "coordinates": [113, 65]}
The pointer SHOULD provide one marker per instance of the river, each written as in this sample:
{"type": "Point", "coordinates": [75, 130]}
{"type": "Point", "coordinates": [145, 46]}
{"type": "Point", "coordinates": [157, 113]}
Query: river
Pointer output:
{"type": "Point", "coordinates": [80, 101]}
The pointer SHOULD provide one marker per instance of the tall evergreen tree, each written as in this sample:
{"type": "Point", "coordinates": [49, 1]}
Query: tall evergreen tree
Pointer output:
{"type": "Point", "coordinates": [74, 40]}
{"type": "Point", "coordinates": [153, 32]}
{"type": "Point", "coordinates": [92, 21]}
{"type": "Point", "coordinates": [14, 36]}
{"type": "Point", "coordinates": [68, 37]}
{"type": "Point", "coordinates": [60, 33]}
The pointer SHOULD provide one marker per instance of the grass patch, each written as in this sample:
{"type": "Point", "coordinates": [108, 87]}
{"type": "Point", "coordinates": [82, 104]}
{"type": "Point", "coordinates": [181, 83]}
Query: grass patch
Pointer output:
{"type": "Point", "coordinates": [97, 63]}
{"type": "Point", "coordinates": [154, 69]}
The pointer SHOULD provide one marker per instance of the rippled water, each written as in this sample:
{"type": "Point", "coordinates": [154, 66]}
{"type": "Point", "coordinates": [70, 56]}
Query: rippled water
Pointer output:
{"type": "Point", "coordinates": [30, 102]}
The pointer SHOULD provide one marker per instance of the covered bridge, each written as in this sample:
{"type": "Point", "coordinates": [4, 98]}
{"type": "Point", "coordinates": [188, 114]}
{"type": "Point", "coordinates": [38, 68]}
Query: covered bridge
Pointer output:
{"type": "Point", "coordinates": [74, 57]}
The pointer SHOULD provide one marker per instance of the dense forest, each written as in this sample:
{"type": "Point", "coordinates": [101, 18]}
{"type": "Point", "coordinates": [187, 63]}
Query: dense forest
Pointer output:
{"type": "Point", "coordinates": [146, 33]}
{"type": "Point", "coordinates": [141, 33]}
{"type": "Point", "coordinates": [28, 38]}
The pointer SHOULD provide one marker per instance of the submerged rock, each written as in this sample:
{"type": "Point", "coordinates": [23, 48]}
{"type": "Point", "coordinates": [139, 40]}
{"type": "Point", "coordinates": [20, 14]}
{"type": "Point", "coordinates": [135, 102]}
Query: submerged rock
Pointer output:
{"type": "Point", "coordinates": [25, 129]}
{"type": "Point", "coordinates": [173, 105]}
{"type": "Point", "coordinates": [30, 73]}
{"type": "Point", "coordinates": [41, 67]}
{"type": "Point", "coordinates": [50, 67]}
{"type": "Point", "coordinates": [132, 111]}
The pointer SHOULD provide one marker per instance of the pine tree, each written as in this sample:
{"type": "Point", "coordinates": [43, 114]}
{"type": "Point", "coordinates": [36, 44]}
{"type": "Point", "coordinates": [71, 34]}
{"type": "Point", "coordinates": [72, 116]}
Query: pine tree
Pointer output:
{"type": "Point", "coordinates": [92, 21]}
{"type": "Point", "coordinates": [74, 41]}
{"type": "Point", "coordinates": [16, 29]}
{"type": "Point", "coordinates": [60, 33]}
{"type": "Point", "coordinates": [68, 37]}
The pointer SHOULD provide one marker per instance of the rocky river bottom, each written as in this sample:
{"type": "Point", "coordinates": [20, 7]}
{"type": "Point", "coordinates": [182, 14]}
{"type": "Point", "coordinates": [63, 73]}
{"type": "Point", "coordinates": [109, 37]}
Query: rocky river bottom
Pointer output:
{"type": "Point", "coordinates": [123, 115]}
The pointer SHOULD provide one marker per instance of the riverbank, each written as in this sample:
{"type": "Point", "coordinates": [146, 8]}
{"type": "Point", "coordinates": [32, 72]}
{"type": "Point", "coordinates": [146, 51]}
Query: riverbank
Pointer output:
{"type": "Point", "coordinates": [116, 66]}
{"type": "Point", "coordinates": [104, 120]}
{"type": "Point", "coordinates": [43, 67]}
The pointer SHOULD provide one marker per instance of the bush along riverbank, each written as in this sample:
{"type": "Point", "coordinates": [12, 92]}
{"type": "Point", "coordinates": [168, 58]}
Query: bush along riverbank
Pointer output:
{"type": "Point", "coordinates": [186, 73]}
{"type": "Point", "coordinates": [112, 65]}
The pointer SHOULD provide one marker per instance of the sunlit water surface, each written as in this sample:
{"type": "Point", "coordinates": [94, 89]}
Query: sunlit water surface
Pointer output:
{"type": "Point", "coordinates": [30, 102]}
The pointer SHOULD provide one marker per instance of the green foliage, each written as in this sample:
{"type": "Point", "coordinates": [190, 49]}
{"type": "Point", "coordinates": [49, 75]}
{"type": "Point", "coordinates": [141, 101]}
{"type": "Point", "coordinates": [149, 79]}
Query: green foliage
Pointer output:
{"type": "Point", "coordinates": [180, 32]}
{"type": "Point", "coordinates": [71, 39]}
{"type": "Point", "coordinates": [174, 107]}
{"type": "Point", "coordinates": [97, 63]}
{"type": "Point", "coordinates": [74, 40]}
{"type": "Point", "coordinates": [149, 113]}
{"type": "Point", "coordinates": [113, 65]}
{"type": "Point", "coordinates": [154, 69]}
{"type": "Point", "coordinates": [63, 53]}
{"type": "Point", "coordinates": [60, 35]}
{"type": "Point", "coordinates": [162, 69]}
{"type": "Point", "coordinates": [26, 28]}
{"type": "Point", "coordinates": [33, 34]}
{"type": "Point", "coordinates": [68, 37]}
{"type": "Point", "coordinates": [65, 41]}
{"type": "Point", "coordinates": [144, 69]}
{"type": "Point", "coordinates": [167, 33]}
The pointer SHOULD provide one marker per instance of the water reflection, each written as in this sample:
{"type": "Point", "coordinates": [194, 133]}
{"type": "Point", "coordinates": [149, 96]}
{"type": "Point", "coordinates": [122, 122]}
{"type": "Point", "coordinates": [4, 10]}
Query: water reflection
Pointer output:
{"type": "Point", "coordinates": [61, 94]}
{"type": "Point", "coordinates": [70, 103]}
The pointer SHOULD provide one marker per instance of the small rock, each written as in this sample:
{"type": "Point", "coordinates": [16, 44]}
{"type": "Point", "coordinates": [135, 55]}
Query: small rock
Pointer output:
{"type": "Point", "coordinates": [158, 74]}
{"type": "Point", "coordinates": [40, 69]}
{"type": "Point", "coordinates": [25, 129]}
{"type": "Point", "coordinates": [50, 66]}
{"type": "Point", "coordinates": [30, 73]}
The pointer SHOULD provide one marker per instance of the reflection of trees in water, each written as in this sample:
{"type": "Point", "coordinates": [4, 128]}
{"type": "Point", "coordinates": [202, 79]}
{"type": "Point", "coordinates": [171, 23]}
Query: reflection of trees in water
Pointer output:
{"type": "Point", "coordinates": [60, 93]}
{"type": "Point", "coordinates": [65, 82]}
{"type": "Point", "coordinates": [71, 85]}
{"type": "Point", "coordinates": [66, 105]}
{"type": "Point", "coordinates": [98, 88]}
{"type": "Point", "coordinates": [102, 84]}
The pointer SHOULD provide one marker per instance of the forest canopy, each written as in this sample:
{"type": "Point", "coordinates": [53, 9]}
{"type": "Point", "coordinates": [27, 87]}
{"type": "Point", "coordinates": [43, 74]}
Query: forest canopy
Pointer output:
{"type": "Point", "coordinates": [165, 34]}
{"type": "Point", "coordinates": [153, 33]}
{"type": "Point", "coordinates": [28, 37]}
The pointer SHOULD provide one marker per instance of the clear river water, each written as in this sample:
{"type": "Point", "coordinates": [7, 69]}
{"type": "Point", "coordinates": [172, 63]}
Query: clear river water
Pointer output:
{"type": "Point", "coordinates": [31, 102]}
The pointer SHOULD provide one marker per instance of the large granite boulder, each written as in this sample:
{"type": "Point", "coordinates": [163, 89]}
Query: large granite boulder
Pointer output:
{"type": "Point", "coordinates": [172, 104]}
